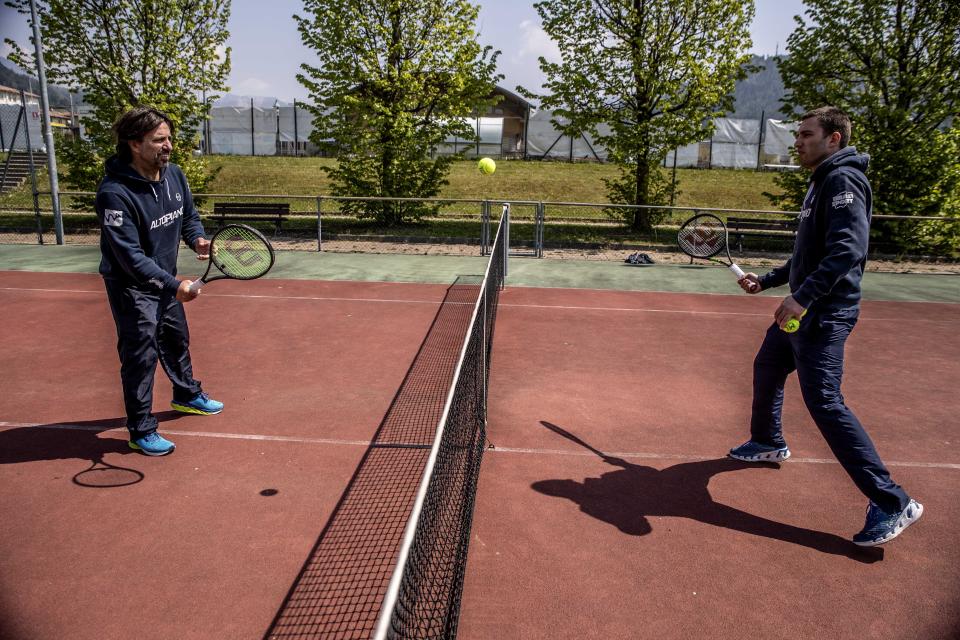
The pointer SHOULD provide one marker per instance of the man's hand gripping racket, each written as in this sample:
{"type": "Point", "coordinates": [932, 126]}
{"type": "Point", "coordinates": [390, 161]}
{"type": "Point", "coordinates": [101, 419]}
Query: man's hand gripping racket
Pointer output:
{"type": "Point", "coordinates": [704, 236]}
{"type": "Point", "coordinates": [239, 252]}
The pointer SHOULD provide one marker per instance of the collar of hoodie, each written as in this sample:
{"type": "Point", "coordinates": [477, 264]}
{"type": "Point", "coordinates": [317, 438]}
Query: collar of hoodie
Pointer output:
{"type": "Point", "coordinates": [165, 184]}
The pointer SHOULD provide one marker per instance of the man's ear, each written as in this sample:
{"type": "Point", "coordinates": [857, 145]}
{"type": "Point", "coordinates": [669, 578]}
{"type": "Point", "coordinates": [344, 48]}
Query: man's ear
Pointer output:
{"type": "Point", "coordinates": [835, 138]}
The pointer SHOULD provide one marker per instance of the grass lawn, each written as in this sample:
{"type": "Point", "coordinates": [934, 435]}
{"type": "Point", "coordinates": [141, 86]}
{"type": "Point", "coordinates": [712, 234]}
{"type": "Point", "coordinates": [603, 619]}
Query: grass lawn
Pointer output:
{"type": "Point", "coordinates": [513, 180]}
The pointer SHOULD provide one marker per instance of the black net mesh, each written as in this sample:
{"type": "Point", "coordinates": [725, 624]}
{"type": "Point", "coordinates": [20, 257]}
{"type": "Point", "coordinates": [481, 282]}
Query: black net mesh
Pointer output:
{"type": "Point", "coordinates": [341, 588]}
{"type": "Point", "coordinates": [428, 601]}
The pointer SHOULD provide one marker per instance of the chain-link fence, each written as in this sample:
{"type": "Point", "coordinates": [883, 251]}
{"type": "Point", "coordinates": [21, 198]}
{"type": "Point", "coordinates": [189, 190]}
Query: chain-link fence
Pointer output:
{"type": "Point", "coordinates": [439, 226]}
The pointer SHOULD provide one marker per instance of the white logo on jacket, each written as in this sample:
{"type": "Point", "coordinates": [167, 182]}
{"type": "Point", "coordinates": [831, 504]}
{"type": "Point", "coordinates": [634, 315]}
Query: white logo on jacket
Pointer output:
{"type": "Point", "coordinates": [842, 199]}
{"type": "Point", "coordinates": [166, 219]}
{"type": "Point", "coordinates": [112, 218]}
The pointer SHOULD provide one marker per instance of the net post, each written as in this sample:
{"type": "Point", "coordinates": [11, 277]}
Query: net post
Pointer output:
{"type": "Point", "coordinates": [506, 236]}
{"type": "Point", "coordinates": [484, 296]}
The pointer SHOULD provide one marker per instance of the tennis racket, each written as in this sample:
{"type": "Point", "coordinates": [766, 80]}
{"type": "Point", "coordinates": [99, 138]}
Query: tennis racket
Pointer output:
{"type": "Point", "coordinates": [704, 236]}
{"type": "Point", "coordinates": [238, 252]}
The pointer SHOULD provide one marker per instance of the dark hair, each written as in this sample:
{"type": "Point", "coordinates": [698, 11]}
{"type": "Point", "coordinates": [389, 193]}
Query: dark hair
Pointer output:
{"type": "Point", "coordinates": [134, 124]}
{"type": "Point", "coordinates": [831, 120]}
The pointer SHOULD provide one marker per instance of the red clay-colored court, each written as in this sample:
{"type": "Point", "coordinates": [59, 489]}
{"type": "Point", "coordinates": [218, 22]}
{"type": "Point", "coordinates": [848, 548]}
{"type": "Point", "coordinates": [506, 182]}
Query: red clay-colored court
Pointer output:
{"type": "Point", "coordinates": [606, 508]}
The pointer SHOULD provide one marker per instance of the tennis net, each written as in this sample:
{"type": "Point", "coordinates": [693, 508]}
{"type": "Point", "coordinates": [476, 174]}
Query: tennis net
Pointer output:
{"type": "Point", "coordinates": [423, 598]}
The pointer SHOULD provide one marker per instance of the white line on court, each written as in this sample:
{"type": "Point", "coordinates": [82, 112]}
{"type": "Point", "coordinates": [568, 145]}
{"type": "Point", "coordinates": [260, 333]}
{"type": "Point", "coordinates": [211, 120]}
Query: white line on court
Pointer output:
{"type": "Point", "coordinates": [677, 456]}
{"type": "Point", "coordinates": [526, 451]}
{"type": "Point", "coordinates": [501, 304]}
{"type": "Point", "coordinates": [257, 297]}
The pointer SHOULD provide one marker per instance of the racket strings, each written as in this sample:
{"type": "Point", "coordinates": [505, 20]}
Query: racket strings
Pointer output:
{"type": "Point", "coordinates": [241, 253]}
{"type": "Point", "coordinates": [702, 240]}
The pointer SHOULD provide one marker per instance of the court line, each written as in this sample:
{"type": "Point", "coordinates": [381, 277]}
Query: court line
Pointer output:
{"type": "Point", "coordinates": [640, 455]}
{"type": "Point", "coordinates": [254, 296]}
{"type": "Point", "coordinates": [501, 304]}
{"type": "Point", "coordinates": [679, 456]}
{"type": "Point", "coordinates": [177, 432]}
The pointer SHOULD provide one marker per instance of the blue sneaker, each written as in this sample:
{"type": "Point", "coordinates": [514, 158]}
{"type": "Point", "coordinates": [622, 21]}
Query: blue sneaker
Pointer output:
{"type": "Point", "coordinates": [883, 527]}
{"type": "Point", "coordinates": [751, 451]}
{"type": "Point", "coordinates": [152, 444]}
{"type": "Point", "coordinates": [202, 404]}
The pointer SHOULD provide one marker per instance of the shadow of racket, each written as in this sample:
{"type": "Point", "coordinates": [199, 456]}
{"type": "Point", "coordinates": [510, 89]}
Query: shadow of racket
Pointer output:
{"type": "Point", "coordinates": [103, 475]}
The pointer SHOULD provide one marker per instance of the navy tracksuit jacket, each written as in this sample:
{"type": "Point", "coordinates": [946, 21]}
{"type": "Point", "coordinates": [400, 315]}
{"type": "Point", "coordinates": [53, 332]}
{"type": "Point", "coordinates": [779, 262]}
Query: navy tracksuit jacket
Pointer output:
{"type": "Point", "coordinates": [141, 225]}
{"type": "Point", "coordinates": [824, 275]}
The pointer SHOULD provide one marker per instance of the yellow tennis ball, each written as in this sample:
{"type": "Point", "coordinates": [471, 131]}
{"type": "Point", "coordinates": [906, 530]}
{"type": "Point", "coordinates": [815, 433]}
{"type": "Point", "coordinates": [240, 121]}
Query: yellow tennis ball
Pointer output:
{"type": "Point", "coordinates": [793, 324]}
{"type": "Point", "coordinates": [486, 166]}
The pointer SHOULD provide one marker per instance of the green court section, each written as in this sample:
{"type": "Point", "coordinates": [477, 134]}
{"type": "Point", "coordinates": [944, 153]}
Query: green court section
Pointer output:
{"type": "Point", "coordinates": [523, 272]}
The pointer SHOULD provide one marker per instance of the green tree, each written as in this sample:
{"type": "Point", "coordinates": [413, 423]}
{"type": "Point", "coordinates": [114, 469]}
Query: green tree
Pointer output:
{"type": "Point", "coordinates": [393, 80]}
{"type": "Point", "coordinates": [124, 53]}
{"type": "Point", "coordinates": [894, 66]}
{"type": "Point", "coordinates": [654, 74]}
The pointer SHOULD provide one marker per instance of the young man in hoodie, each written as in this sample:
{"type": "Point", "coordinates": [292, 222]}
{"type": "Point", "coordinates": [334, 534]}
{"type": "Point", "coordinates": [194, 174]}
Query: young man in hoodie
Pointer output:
{"type": "Point", "coordinates": [145, 208]}
{"type": "Point", "coordinates": [824, 274]}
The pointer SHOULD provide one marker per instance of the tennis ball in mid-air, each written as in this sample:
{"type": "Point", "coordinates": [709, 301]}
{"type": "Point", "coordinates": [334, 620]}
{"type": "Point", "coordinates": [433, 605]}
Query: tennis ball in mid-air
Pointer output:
{"type": "Point", "coordinates": [486, 166]}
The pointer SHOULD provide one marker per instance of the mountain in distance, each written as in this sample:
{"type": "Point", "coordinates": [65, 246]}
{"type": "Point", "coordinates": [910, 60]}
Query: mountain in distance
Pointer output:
{"type": "Point", "coordinates": [13, 76]}
{"type": "Point", "coordinates": [760, 92]}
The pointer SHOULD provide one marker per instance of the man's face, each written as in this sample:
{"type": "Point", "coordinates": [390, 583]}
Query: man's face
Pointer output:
{"type": "Point", "coordinates": [814, 145]}
{"type": "Point", "coordinates": [153, 152]}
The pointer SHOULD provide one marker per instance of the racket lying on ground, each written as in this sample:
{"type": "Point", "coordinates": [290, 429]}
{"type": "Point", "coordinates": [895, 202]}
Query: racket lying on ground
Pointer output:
{"type": "Point", "coordinates": [238, 252]}
{"type": "Point", "coordinates": [704, 236]}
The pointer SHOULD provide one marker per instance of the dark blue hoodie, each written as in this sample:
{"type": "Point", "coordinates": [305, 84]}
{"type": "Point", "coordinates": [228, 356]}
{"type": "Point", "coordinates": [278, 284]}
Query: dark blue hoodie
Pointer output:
{"type": "Point", "coordinates": [830, 251]}
{"type": "Point", "coordinates": [142, 223]}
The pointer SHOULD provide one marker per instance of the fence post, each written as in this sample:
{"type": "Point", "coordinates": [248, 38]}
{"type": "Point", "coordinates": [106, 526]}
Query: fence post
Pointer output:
{"type": "Point", "coordinates": [319, 223]}
{"type": "Point", "coordinates": [484, 226]}
{"type": "Point", "coordinates": [296, 136]}
{"type": "Point", "coordinates": [760, 141]}
{"type": "Point", "coordinates": [33, 169]}
{"type": "Point", "coordinates": [538, 231]}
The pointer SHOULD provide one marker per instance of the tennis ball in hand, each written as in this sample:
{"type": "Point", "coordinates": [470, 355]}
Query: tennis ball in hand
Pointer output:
{"type": "Point", "coordinates": [791, 325]}
{"type": "Point", "coordinates": [486, 166]}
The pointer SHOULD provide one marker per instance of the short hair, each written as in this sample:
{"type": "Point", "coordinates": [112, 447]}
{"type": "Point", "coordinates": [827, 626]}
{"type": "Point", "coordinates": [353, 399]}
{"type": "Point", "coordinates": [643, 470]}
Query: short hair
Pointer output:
{"type": "Point", "coordinates": [831, 119]}
{"type": "Point", "coordinates": [134, 125]}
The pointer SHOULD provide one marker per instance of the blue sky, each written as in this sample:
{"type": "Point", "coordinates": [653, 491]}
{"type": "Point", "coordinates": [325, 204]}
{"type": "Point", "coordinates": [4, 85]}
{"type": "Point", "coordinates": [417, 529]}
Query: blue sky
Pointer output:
{"type": "Point", "coordinates": [267, 52]}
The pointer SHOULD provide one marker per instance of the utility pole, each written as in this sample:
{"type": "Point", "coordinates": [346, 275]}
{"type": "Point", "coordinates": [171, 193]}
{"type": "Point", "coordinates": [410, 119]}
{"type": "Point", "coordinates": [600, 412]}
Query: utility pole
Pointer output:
{"type": "Point", "coordinates": [47, 131]}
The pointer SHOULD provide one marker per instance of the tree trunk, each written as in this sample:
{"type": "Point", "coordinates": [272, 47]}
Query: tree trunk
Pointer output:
{"type": "Point", "coordinates": [641, 218]}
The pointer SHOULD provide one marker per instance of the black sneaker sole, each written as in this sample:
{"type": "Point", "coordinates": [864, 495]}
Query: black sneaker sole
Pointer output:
{"type": "Point", "coordinates": [905, 520]}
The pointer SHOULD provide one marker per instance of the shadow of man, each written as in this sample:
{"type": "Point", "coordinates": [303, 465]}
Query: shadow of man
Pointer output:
{"type": "Point", "coordinates": [80, 440]}
{"type": "Point", "coordinates": [624, 498]}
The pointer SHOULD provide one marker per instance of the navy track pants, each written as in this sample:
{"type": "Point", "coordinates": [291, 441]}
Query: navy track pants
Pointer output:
{"type": "Point", "coordinates": [815, 352]}
{"type": "Point", "coordinates": [151, 326]}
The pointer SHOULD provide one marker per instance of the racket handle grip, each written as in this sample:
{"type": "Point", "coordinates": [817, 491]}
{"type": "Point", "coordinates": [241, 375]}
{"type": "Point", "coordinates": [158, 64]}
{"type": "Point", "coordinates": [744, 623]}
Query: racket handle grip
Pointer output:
{"type": "Point", "coordinates": [195, 285]}
{"type": "Point", "coordinates": [737, 271]}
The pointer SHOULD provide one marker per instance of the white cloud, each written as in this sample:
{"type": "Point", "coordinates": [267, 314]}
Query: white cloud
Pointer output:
{"type": "Point", "coordinates": [534, 42]}
{"type": "Point", "coordinates": [251, 85]}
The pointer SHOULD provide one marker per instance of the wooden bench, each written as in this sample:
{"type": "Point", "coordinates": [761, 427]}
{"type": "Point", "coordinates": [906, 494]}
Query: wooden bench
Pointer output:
{"type": "Point", "coordinates": [271, 211]}
{"type": "Point", "coordinates": [739, 228]}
